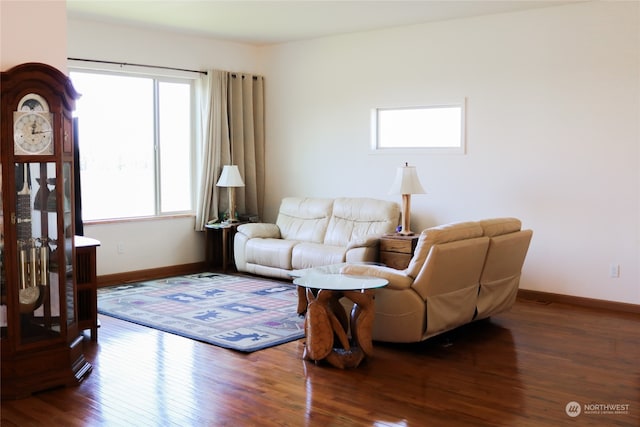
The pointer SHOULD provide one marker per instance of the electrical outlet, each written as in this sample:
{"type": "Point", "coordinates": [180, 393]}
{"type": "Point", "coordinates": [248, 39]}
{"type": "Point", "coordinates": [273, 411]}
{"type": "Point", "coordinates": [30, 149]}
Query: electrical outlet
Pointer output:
{"type": "Point", "coordinates": [120, 248]}
{"type": "Point", "coordinates": [614, 271]}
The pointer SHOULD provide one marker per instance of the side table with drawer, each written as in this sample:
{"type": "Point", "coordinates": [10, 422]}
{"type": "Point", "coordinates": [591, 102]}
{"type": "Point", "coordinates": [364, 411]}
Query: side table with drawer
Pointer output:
{"type": "Point", "coordinates": [87, 285]}
{"type": "Point", "coordinates": [396, 250]}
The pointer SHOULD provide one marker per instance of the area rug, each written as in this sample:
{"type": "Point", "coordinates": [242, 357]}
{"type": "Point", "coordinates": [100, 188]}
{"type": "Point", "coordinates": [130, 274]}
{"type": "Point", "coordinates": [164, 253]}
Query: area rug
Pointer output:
{"type": "Point", "coordinates": [241, 313]}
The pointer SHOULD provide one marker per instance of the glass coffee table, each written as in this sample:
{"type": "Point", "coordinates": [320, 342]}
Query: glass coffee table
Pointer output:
{"type": "Point", "coordinates": [327, 324]}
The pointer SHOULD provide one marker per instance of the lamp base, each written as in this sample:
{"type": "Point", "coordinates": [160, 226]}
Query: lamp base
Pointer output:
{"type": "Point", "coordinates": [406, 215]}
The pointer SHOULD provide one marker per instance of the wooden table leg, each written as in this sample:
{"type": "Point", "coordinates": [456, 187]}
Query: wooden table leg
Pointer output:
{"type": "Point", "coordinates": [225, 249]}
{"type": "Point", "coordinates": [207, 248]}
{"type": "Point", "coordinates": [362, 316]}
{"type": "Point", "coordinates": [302, 300]}
{"type": "Point", "coordinates": [327, 320]}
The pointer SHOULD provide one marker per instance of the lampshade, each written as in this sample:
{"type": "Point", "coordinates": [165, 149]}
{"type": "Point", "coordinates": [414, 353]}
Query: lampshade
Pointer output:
{"type": "Point", "coordinates": [230, 177]}
{"type": "Point", "coordinates": [406, 181]}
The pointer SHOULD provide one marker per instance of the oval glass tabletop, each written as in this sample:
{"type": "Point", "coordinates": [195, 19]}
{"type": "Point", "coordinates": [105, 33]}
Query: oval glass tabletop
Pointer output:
{"type": "Point", "coordinates": [339, 282]}
{"type": "Point", "coordinates": [327, 269]}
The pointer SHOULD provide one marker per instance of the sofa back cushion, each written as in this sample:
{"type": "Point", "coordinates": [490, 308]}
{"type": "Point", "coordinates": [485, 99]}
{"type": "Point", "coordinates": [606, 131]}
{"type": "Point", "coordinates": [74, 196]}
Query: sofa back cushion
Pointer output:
{"type": "Point", "coordinates": [440, 234]}
{"type": "Point", "coordinates": [497, 226]}
{"type": "Point", "coordinates": [356, 218]}
{"type": "Point", "coordinates": [304, 219]}
{"type": "Point", "coordinates": [451, 266]}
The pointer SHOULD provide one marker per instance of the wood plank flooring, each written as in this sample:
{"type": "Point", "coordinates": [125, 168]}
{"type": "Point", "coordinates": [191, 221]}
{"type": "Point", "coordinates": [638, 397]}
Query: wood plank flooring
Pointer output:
{"type": "Point", "coordinates": [519, 368]}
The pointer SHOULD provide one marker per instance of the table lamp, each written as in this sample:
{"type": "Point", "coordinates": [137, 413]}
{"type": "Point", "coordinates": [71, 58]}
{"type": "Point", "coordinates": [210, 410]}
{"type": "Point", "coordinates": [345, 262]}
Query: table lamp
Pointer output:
{"type": "Point", "coordinates": [406, 183]}
{"type": "Point", "coordinates": [230, 178]}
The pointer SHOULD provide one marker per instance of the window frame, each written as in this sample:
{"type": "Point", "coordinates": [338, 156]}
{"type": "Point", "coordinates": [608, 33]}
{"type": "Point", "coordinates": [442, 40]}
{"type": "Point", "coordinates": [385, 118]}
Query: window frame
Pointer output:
{"type": "Point", "coordinates": [376, 147]}
{"type": "Point", "coordinates": [157, 77]}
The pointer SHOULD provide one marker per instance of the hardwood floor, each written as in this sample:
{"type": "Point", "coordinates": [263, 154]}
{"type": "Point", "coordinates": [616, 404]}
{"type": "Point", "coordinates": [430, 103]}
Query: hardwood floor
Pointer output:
{"type": "Point", "coordinates": [519, 368]}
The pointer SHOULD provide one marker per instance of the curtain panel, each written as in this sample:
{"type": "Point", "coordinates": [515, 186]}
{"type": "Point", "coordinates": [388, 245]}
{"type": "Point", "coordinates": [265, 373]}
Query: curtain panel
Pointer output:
{"type": "Point", "coordinates": [246, 131]}
{"type": "Point", "coordinates": [232, 117]}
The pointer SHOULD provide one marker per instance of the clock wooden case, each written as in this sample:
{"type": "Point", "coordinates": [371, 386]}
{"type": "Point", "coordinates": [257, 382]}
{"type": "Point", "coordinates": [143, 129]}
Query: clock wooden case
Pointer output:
{"type": "Point", "coordinates": [41, 345]}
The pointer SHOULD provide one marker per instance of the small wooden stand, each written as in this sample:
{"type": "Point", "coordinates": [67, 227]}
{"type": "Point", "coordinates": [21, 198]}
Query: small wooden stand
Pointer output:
{"type": "Point", "coordinates": [87, 285]}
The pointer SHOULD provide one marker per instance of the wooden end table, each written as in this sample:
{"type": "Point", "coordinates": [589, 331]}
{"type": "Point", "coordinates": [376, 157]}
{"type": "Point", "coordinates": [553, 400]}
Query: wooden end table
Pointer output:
{"type": "Point", "coordinates": [396, 250]}
{"type": "Point", "coordinates": [219, 245]}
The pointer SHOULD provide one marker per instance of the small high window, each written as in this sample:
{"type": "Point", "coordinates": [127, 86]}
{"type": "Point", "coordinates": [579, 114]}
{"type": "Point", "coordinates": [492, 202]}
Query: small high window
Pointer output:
{"type": "Point", "coordinates": [430, 128]}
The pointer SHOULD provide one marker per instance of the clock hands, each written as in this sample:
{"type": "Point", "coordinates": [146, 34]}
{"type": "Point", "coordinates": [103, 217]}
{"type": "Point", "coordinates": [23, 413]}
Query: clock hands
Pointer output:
{"type": "Point", "coordinates": [35, 132]}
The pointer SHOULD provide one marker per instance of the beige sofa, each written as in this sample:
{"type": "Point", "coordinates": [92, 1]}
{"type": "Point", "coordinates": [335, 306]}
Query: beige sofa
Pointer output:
{"type": "Point", "coordinates": [312, 232]}
{"type": "Point", "coordinates": [459, 273]}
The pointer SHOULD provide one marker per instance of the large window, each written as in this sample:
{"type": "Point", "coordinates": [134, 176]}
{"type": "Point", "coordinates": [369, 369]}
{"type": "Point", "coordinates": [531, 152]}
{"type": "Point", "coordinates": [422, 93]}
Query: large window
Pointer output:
{"type": "Point", "coordinates": [428, 128]}
{"type": "Point", "coordinates": [135, 144]}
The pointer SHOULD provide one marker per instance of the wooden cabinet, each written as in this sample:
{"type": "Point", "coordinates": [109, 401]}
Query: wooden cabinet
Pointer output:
{"type": "Point", "coordinates": [41, 345]}
{"type": "Point", "coordinates": [397, 250]}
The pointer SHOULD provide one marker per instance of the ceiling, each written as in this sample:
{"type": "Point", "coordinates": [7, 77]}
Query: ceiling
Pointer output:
{"type": "Point", "coordinates": [270, 22]}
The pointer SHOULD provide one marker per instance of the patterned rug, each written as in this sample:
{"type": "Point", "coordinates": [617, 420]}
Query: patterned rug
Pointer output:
{"type": "Point", "coordinates": [240, 313]}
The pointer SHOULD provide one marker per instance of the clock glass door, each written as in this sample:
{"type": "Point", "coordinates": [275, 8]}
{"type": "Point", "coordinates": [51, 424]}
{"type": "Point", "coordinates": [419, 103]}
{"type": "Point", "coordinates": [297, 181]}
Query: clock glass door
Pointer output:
{"type": "Point", "coordinates": [66, 192]}
{"type": "Point", "coordinates": [40, 256]}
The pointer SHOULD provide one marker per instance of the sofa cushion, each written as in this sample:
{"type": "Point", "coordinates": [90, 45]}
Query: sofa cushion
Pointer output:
{"type": "Point", "coordinates": [355, 219]}
{"type": "Point", "coordinates": [451, 266]}
{"type": "Point", "coordinates": [440, 234]}
{"type": "Point", "coordinates": [304, 219]}
{"type": "Point", "coordinates": [308, 255]}
{"type": "Point", "coordinates": [497, 226]}
{"type": "Point", "coordinates": [398, 279]}
{"type": "Point", "coordinates": [259, 229]}
{"type": "Point", "coordinates": [270, 252]}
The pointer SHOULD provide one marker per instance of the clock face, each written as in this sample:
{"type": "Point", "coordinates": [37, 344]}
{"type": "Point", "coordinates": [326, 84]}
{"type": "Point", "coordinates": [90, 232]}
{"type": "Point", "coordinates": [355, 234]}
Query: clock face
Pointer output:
{"type": "Point", "coordinates": [32, 133]}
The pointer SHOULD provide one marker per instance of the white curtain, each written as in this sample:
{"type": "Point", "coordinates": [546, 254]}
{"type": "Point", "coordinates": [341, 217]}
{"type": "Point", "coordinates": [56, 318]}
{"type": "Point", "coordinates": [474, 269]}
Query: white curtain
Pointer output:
{"type": "Point", "coordinates": [232, 116]}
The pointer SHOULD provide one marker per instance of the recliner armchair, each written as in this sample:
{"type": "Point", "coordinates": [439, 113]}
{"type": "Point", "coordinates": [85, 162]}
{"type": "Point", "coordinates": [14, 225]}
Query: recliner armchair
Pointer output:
{"type": "Point", "coordinates": [459, 273]}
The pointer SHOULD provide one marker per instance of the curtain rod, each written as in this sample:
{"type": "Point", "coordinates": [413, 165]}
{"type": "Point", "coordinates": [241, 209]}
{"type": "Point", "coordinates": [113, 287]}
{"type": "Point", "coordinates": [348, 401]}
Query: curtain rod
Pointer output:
{"type": "Point", "coordinates": [123, 64]}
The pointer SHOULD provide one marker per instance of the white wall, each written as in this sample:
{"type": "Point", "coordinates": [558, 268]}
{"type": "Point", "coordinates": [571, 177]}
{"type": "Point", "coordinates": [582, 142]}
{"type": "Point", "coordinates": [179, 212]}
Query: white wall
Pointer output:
{"type": "Point", "coordinates": [156, 243]}
{"type": "Point", "coordinates": [553, 131]}
{"type": "Point", "coordinates": [120, 43]}
{"type": "Point", "coordinates": [33, 31]}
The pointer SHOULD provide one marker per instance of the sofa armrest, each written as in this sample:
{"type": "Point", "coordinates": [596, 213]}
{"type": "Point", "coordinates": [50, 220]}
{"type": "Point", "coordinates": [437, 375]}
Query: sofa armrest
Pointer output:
{"type": "Point", "coordinates": [363, 242]}
{"type": "Point", "coordinates": [398, 279]}
{"type": "Point", "coordinates": [259, 230]}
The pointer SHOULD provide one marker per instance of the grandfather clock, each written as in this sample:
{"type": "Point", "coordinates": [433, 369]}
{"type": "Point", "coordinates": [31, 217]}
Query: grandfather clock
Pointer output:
{"type": "Point", "coordinates": [40, 343]}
